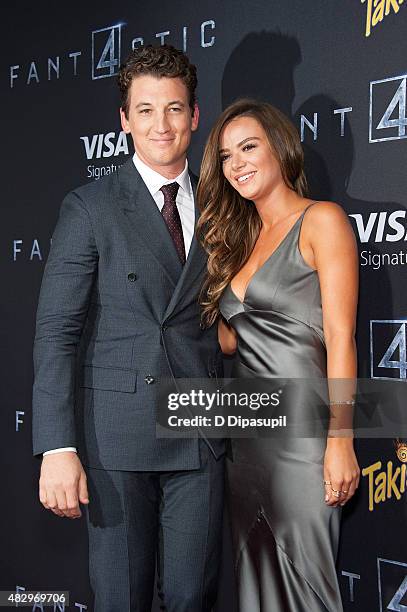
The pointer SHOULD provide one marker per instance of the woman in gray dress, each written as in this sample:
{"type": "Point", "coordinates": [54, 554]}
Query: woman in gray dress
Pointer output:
{"type": "Point", "coordinates": [282, 283]}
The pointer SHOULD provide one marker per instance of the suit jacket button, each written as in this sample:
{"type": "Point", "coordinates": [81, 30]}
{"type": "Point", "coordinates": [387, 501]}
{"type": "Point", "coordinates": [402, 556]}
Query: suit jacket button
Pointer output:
{"type": "Point", "coordinates": [132, 276]}
{"type": "Point", "coordinates": [149, 379]}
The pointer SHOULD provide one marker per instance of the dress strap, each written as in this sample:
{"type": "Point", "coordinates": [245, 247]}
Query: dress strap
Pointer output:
{"type": "Point", "coordinates": [309, 206]}
{"type": "Point", "coordinates": [301, 217]}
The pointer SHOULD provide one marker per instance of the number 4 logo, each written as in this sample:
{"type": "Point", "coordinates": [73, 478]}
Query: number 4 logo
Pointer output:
{"type": "Point", "coordinates": [107, 50]}
{"type": "Point", "coordinates": [393, 118]}
{"type": "Point", "coordinates": [395, 603]}
{"type": "Point", "coordinates": [394, 356]}
{"type": "Point", "coordinates": [391, 579]}
{"type": "Point", "coordinates": [398, 342]}
{"type": "Point", "coordinates": [399, 99]}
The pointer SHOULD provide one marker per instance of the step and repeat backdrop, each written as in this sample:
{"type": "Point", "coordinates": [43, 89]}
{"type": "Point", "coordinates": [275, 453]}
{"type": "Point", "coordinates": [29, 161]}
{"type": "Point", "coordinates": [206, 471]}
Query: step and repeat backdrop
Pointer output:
{"type": "Point", "coordinates": [338, 68]}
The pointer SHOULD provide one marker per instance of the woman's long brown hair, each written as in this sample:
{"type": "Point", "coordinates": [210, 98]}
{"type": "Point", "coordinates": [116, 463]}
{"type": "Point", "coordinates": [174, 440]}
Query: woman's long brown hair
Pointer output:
{"type": "Point", "coordinates": [229, 224]}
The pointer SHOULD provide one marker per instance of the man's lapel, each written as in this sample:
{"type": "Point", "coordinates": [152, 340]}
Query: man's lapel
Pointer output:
{"type": "Point", "coordinates": [194, 264]}
{"type": "Point", "coordinates": [145, 218]}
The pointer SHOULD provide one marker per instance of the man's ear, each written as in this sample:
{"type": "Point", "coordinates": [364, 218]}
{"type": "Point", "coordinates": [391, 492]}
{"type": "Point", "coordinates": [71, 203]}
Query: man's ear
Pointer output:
{"type": "Point", "coordinates": [124, 122]}
{"type": "Point", "coordinates": [195, 118]}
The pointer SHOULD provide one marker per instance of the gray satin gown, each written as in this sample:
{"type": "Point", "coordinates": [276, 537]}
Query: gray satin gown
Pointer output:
{"type": "Point", "coordinates": [285, 536]}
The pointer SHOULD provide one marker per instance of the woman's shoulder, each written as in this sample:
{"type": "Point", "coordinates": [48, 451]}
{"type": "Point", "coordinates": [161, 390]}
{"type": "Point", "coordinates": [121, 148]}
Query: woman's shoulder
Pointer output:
{"type": "Point", "coordinates": [324, 213]}
{"type": "Point", "coordinates": [324, 208]}
{"type": "Point", "coordinates": [325, 219]}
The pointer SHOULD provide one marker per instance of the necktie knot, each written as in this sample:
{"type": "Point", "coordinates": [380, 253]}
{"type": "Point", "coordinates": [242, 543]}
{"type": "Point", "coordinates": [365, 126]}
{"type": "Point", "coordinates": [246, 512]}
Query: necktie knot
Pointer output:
{"type": "Point", "coordinates": [170, 191]}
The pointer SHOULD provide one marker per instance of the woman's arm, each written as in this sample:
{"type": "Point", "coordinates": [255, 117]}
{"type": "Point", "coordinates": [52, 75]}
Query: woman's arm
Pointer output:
{"type": "Point", "coordinates": [336, 260]}
{"type": "Point", "coordinates": [227, 337]}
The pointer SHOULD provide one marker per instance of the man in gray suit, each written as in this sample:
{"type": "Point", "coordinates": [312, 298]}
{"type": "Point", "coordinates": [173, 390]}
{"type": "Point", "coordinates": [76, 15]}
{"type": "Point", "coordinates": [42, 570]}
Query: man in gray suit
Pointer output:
{"type": "Point", "coordinates": [118, 310]}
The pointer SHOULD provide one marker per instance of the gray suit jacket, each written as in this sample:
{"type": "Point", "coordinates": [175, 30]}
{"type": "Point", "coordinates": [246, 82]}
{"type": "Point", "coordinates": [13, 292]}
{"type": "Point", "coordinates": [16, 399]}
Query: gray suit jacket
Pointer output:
{"type": "Point", "coordinates": [116, 312]}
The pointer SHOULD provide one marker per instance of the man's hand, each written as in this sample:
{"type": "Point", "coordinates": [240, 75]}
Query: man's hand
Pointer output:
{"type": "Point", "coordinates": [63, 484]}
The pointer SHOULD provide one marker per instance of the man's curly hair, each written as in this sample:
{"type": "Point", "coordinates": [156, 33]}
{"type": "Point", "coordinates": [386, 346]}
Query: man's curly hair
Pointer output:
{"type": "Point", "coordinates": [163, 61]}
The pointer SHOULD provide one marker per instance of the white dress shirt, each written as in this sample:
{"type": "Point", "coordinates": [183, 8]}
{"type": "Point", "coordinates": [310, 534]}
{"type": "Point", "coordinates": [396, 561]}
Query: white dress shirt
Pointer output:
{"type": "Point", "coordinates": [186, 208]}
{"type": "Point", "coordinates": [185, 197]}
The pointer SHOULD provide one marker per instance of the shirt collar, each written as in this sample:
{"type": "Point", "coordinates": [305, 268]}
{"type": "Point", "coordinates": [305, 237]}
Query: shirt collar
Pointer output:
{"type": "Point", "coordinates": [154, 181]}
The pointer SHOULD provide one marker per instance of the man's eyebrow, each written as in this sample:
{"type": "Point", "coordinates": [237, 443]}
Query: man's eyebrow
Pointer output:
{"type": "Point", "coordinates": [179, 102]}
{"type": "Point", "coordinates": [239, 144]}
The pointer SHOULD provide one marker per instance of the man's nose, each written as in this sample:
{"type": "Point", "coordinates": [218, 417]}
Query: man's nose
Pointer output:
{"type": "Point", "coordinates": [161, 124]}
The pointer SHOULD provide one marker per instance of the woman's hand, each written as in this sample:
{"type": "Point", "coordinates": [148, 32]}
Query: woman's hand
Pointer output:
{"type": "Point", "coordinates": [341, 471]}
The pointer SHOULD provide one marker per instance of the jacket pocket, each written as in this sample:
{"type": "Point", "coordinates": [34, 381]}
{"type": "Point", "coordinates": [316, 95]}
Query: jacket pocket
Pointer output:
{"type": "Point", "coordinates": [108, 379]}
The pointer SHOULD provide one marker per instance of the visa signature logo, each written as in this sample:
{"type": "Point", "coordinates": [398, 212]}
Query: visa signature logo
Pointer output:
{"type": "Point", "coordinates": [105, 145]}
{"type": "Point", "coordinates": [382, 226]}
{"type": "Point", "coordinates": [377, 10]}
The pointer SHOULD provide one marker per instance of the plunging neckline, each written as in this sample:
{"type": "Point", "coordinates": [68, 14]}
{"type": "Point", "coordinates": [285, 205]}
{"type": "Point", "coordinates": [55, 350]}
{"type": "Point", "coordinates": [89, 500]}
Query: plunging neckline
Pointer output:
{"type": "Point", "coordinates": [266, 260]}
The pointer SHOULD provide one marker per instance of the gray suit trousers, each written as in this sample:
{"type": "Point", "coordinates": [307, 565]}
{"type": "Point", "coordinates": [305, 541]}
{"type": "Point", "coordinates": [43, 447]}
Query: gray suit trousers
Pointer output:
{"type": "Point", "coordinates": [142, 521]}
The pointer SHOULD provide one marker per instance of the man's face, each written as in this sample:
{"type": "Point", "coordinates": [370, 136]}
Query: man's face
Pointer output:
{"type": "Point", "coordinates": [160, 122]}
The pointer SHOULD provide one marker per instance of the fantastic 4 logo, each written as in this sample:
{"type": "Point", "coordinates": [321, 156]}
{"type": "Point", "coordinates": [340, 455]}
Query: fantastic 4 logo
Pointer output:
{"type": "Point", "coordinates": [388, 353]}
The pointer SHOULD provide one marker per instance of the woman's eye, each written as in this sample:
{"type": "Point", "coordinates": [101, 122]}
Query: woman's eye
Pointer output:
{"type": "Point", "coordinates": [223, 158]}
{"type": "Point", "coordinates": [249, 146]}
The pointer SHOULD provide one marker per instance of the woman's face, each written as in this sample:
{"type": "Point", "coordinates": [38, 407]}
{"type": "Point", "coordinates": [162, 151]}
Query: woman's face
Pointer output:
{"type": "Point", "coordinates": [248, 161]}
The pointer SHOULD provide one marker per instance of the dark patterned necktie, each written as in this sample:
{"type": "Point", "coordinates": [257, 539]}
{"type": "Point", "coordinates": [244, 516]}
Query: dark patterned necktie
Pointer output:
{"type": "Point", "coordinates": [172, 218]}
